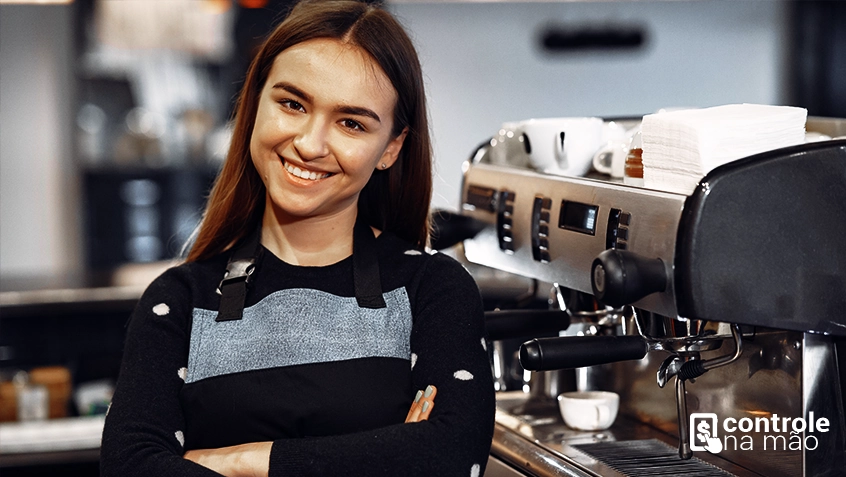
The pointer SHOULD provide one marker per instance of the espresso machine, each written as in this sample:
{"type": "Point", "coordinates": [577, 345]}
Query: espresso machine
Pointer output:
{"type": "Point", "coordinates": [727, 305]}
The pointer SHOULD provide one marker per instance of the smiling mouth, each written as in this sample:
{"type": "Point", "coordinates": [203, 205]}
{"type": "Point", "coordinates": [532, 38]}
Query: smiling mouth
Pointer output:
{"type": "Point", "coordinates": [303, 174]}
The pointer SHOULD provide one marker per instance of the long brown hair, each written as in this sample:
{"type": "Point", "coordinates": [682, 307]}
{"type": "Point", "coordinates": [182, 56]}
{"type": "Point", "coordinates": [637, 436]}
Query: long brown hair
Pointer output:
{"type": "Point", "coordinates": [395, 200]}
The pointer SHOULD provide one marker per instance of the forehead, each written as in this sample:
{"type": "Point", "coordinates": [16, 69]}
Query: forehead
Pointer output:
{"type": "Point", "coordinates": [334, 71]}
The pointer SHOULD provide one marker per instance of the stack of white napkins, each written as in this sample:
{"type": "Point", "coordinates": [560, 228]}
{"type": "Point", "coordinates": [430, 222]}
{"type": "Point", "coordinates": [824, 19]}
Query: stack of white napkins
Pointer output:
{"type": "Point", "coordinates": [681, 147]}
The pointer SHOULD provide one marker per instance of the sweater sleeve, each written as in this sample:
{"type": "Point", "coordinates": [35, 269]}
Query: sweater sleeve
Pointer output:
{"type": "Point", "coordinates": [143, 434]}
{"type": "Point", "coordinates": [448, 351]}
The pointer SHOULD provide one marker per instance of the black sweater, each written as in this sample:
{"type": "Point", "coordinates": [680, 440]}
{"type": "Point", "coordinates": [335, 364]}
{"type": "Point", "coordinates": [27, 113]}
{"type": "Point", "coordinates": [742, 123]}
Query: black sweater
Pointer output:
{"type": "Point", "coordinates": [328, 382]}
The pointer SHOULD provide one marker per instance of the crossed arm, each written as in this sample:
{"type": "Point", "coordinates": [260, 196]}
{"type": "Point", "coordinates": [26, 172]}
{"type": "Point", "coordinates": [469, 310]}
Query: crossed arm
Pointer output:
{"type": "Point", "coordinates": [253, 459]}
{"type": "Point", "coordinates": [142, 434]}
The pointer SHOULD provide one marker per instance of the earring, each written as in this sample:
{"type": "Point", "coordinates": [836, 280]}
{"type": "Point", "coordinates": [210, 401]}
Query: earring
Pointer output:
{"type": "Point", "coordinates": [384, 166]}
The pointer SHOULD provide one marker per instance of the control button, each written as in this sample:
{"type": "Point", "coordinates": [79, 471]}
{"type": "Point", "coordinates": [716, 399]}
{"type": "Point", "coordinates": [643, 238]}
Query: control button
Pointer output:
{"type": "Point", "coordinates": [622, 234]}
{"type": "Point", "coordinates": [621, 245]}
{"type": "Point", "coordinates": [545, 257]}
{"type": "Point", "coordinates": [625, 218]}
{"type": "Point", "coordinates": [481, 197]}
{"type": "Point", "coordinates": [612, 227]}
{"type": "Point", "coordinates": [540, 226]}
{"type": "Point", "coordinates": [614, 215]}
{"type": "Point", "coordinates": [504, 220]}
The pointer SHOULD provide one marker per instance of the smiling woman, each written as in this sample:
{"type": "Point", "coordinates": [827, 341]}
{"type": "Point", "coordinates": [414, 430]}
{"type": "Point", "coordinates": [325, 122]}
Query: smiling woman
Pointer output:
{"type": "Point", "coordinates": [308, 318]}
{"type": "Point", "coordinates": [319, 137]}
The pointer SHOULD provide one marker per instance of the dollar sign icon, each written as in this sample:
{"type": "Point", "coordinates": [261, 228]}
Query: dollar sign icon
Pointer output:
{"type": "Point", "coordinates": [703, 429]}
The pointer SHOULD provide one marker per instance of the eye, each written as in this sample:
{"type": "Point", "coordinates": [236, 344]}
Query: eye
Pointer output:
{"type": "Point", "coordinates": [352, 124]}
{"type": "Point", "coordinates": [291, 104]}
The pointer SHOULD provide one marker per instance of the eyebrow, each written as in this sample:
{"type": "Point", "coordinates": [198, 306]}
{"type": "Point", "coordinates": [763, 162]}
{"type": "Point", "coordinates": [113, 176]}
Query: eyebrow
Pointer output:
{"type": "Point", "coordinates": [354, 110]}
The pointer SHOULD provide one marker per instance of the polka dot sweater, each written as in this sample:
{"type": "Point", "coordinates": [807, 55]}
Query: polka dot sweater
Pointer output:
{"type": "Point", "coordinates": [328, 382]}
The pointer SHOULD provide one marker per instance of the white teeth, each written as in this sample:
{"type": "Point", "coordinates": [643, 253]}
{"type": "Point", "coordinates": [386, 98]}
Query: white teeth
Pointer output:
{"type": "Point", "coordinates": [294, 170]}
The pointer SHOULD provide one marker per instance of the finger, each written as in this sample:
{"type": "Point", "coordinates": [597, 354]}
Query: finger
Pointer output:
{"type": "Point", "coordinates": [414, 406]}
{"type": "Point", "coordinates": [430, 393]}
{"type": "Point", "coordinates": [415, 413]}
{"type": "Point", "coordinates": [425, 410]}
{"type": "Point", "coordinates": [427, 403]}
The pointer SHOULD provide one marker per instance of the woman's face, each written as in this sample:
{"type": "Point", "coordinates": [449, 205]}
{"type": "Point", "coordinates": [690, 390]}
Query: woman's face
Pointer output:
{"type": "Point", "coordinates": [323, 124]}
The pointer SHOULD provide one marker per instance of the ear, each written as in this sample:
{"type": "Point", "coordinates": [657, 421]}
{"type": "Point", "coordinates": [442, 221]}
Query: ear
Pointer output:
{"type": "Point", "coordinates": [391, 154]}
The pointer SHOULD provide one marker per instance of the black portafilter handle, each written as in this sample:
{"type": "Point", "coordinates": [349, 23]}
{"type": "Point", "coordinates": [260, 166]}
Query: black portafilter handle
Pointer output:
{"type": "Point", "coordinates": [450, 228]}
{"type": "Point", "coordinates": [620, 278]}
{"type": "Point", "coordinates": [568, 352]}
{"type": "Point", "coordinates": [503, 324]}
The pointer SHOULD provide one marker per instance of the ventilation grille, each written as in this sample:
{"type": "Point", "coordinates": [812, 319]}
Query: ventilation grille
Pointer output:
{"type": "Point", "coordinates": [649, 458]}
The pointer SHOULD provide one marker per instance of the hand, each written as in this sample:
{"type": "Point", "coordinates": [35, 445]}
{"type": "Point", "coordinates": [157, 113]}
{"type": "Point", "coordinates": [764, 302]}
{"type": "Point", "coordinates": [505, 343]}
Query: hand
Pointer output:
{"type": "Point", "coordinates": [715, 446]}
{"type": "Point", "coordinates": [245, 460]}
{"type": "Point", "coordinates": [422, 406]}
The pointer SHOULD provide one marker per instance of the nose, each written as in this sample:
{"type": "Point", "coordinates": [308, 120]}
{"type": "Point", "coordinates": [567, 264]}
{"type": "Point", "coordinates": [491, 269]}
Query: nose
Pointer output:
{"type": "Point", "coordinates": [310, 141]}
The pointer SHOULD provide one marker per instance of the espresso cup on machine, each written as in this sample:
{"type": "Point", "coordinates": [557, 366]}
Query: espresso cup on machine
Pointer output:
{"type": "Point", "coordinates": [611, 158]}
{"type": "Point", "coordinates": [507, 147]}
{"type": "Point", "coordinates": [589, 410]}
{"type": "Point", "coordinates": [563, 146]}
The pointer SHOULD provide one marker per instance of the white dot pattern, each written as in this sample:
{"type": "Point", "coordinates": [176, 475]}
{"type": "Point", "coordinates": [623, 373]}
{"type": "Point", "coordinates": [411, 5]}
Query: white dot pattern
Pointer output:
{"type": "Point", "coordinates": [413, 360]}
{"type": "Point", "coordinates": [474, 471]}
{"type": "Point", "coordinates": [484, 344]}
{"type": "Point", "coordinates": [183, 373]}
{"type": "Point", "coordinates": [463, 375]}
{"type": "Point", "coordinates": [413, 252]}
{"type": "Point", "coordinates": [161, 309]}
{"type": "Point", "coordinates": [180, 437]}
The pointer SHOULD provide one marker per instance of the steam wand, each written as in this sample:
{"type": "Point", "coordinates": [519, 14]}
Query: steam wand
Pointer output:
{"type": "Point", "coordinates": [684, 370]}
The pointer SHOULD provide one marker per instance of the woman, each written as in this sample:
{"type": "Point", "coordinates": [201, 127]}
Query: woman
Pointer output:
{"type": "Point", "coordinates": [332, 316]}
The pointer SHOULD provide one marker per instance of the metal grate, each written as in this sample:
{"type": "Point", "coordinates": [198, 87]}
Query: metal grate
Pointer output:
{"type": "Point", "coordinates": [648, 458]}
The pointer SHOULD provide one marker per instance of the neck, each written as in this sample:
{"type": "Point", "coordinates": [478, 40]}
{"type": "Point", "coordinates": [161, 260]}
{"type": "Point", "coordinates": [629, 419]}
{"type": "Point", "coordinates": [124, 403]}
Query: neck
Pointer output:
{"type": "Point", "coordinates": [311, 241]}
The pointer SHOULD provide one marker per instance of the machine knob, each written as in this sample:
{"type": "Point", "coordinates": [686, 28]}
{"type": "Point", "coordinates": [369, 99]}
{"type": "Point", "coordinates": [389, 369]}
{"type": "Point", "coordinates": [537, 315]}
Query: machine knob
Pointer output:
{"type": "Point", "coordinates": [619, 277]}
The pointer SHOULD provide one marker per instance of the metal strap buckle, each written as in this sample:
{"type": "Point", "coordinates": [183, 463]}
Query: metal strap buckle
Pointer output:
{"type": "Point", "coordinates": [238, 270]}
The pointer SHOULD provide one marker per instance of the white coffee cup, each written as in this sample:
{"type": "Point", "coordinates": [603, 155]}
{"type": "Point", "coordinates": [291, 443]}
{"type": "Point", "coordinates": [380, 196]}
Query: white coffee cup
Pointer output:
{"type": "Point", "coordinates": [589, 410]}
{"type": "Point", "coordinates": [562, 146]}
{"type": "Point", "coordinates": [611, 159]}
{"type": "Point", "coordinates": [507, 147]}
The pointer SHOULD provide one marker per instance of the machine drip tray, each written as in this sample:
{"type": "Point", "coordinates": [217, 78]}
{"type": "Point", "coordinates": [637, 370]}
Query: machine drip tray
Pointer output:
{"type": "Point", "coordinates": [647, 458]}
{"type": "Point", "coordinates": [541, 445]}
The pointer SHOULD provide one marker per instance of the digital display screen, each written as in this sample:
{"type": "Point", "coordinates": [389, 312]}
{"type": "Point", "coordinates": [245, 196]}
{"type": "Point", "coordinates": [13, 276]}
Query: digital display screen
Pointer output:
{"type": "Point", "coordinates": [578, 217]}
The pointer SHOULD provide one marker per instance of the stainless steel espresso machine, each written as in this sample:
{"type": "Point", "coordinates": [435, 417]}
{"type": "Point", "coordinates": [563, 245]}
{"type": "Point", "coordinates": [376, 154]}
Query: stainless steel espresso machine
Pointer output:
{"type": "Point", "coordinates": [727, 306]}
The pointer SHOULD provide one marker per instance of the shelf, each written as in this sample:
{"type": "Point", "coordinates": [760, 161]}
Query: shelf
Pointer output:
{"type": "Point", "coordinates": [54, 435]}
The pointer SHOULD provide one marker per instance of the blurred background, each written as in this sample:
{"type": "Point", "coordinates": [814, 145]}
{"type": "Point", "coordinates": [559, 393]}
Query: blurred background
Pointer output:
{"type": "Point", "coordinates": [114, 113]}
{"type": "Point", "coordinates": [114, 120]}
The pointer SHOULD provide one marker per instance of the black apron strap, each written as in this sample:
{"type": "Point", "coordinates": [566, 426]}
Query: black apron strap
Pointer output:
{"type": "Point", "coordinates": [242, 264]}
{"type": "Point", "coordinates": [239, 270]}
{"type": "Point", "coordinates": [366, 278]}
